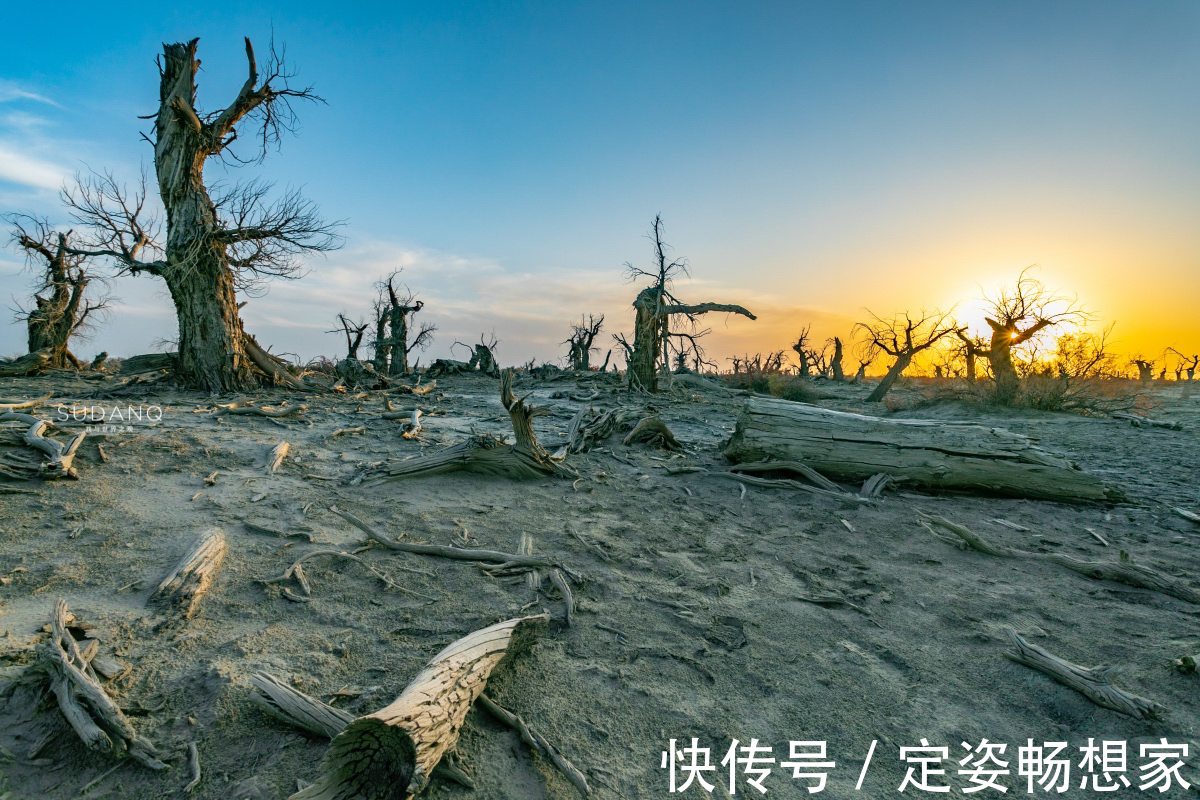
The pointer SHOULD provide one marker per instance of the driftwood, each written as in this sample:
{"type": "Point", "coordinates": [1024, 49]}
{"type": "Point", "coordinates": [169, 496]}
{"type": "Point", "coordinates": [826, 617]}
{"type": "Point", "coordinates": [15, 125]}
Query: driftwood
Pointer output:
{"type": "Point", "coordinates": [277, 455]}
{"type": "Point", "coordinates": [181, 590]}
{"type": "Point", "coordinates": [482, 454]}
{"type": "Point", "coordinates": [272, 366]}
{"type": "Point", "coordinates": [501, 560]}
{"type": "Point", "coordinates": [262, 411]}
{"type": "Point", "coordinates": [93, 715]}
{"type": "Point", "coordinates": [28, 364]}
{"type": "Point", "coordinates": [1121, 571]}
{"type": "Point", "coordinates": [61, 457]}
{"type": "Point", "coordinates": [149, 362]}
{"type": "Point", "coordinates": [26, 404]}
{"type": "Point", "coordinates": [1138, 421]}
{"type": "Point", "coordinates": [590, 427]}
{"type": "Point", "coordinates": [927, 453]}
{"type": "Point", "coordinates": [392, 752]}
{"type": "Point", "coordinates": [1185, 514]}
{"type": "Point", "coordinates": [1091, 683]}
{"type": "Point", "coordinates": [654, 431]}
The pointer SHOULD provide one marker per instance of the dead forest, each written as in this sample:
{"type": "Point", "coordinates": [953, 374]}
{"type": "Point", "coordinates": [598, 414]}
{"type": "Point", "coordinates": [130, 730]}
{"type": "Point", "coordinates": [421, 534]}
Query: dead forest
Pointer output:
{"type": "Point", "coordinates": [225, 574]}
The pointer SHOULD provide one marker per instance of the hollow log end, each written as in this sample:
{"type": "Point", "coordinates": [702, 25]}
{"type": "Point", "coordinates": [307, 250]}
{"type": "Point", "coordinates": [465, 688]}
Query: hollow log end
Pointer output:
{"type": "Point", "coordinates": [369, 760]}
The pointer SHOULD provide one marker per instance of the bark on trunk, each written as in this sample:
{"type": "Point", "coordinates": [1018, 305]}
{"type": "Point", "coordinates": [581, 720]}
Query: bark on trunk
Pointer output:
{"type": "Point", "coordinates": [647, 341]}
{"type": "Point", "coordinates": [390, 755]}
{"type": "Point", "coordinates": [197, 273]}
{"type": "Point", "coordinates": [932, 454]}
{"type": "Point", "coordinates": [1008, 383]}
{"type": "Point", "coordinates": [836, 363]}
{"type": "Point", "coordinates": [893, 375]}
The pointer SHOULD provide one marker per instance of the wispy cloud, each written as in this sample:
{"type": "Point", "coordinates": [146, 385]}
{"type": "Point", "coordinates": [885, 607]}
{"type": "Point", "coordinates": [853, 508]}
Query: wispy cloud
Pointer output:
{"type": "Point", "coordinates": [28, 170]}
{"type": "Point", "coordinates": [10, 92]}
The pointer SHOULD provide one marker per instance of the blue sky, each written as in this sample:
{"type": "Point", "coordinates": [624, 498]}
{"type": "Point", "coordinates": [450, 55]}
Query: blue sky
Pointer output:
{"type": "Point", "coordinates": [810, 159]}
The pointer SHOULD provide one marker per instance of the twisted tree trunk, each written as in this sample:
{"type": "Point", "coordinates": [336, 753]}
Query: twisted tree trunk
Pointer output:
{"type": "Point", "coordinates": [197, 270]}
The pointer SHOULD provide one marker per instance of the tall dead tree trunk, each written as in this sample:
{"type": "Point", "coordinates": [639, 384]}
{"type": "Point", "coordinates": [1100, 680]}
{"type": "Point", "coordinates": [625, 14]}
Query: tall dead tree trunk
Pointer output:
{"type": "Point", "coordinates": [211, 248]}
{"type": "Point", "coordinates": [652, 318]}
{"type": "Point", "coordinates": [836, 362]}
{"type": "Point", "coordinates": [1145, 370]}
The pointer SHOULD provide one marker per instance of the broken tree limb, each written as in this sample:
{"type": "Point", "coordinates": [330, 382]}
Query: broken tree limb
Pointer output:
{"type": "Point", "coordinates": [1122, 571]}
{"type": "Point", "coordinates": [482, 454]}
{"type": "Point", "coordinates": [262, 411]}
{"type": "Point", "coordinates": [538, 743]}
{"type": "Point", "coordinates": [93, 715]}
{"type": "Point", "coordinates": [61, 457]}
{"type": "Point", "coordinates": [927, 453]}
{"type": "Point", "coordinates": [296, 708]}
{"type": "Point", "coordinates": [28, 364]}
{"type": "Point", "coordinates": [271, 366]}
{"type": "Point", "coordinates": [26, 404]}
{"type": "Point", "coordinates": [456, 553]}
{"type": "Point", "coordinates": [1092, 683]}
{"type": "Point", "coordinates": [392, 752]}
{"type": "Point", "coordinates": [181, 590]}
{"type": "Point", "coordinates": [1138, 421]}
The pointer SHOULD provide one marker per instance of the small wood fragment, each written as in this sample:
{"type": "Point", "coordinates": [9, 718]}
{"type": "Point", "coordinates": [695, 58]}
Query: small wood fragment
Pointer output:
{"type": "Point", "coordinates": [181, 590]}
{"type": "Point", "coordinates": [278, 453]}
{"type": "Point", "coordinates": [194, 765]}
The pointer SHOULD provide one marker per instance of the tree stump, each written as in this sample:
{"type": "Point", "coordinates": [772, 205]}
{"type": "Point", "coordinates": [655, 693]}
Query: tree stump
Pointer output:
{"type": "Point", "coordinates": [390, 754]}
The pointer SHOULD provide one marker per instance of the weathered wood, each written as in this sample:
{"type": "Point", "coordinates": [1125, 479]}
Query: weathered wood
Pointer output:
{"type": "Point", "coordinates": [1091, 683]}
{"type": "Point", "coordinates": [26, 404]}
{"type": "Point", "coordinates": [277, 455]}
{"type": "Point", "coordinates": [61, 461]}
{"type": "Point", "coordinates": [148, 362]}
{"type": "Point", "coordinates": [538, 743]}
{"type": "Point", "coordinates": [482, 453]}
{"type": "Point", "coordinates": [296, 708]}
{"type": "Point", "coordinates": [390, 754]}
{"type": "Point", "coordinates": [93, 715]}
{"type": "Point", "coordinates": [28, 364]}
{"type": "Point", "coordinates": [1138, 421]}
{"type": "Point", "coordinates": [654, 431]}
{"type": "Point", "coordinates": [181, 590]}
{"type": "Point", "coordinates": [926, 453]}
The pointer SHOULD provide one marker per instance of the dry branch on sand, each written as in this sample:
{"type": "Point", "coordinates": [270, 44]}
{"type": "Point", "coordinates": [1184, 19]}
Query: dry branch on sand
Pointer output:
{"type": "Point", "coordinates": [18, 406]}
{"type": "Point", "coordinates": [1138, 421]}
{"type": "Point", "coordinates": [192, 577]}
{"type": "Point", "coordinates": [59, 461]}
{"type": "Point", "coordinates": [93, 715]}
{"type": "Point", "coordinates": [392, 752]}
{"type": "Point", "coordinates": [1092, 683]}
{"type": "Point", "coordinates": [928, 453]}
{"type": "Point", "coordinates": [1121, 571]}
{"type": "Point", "coordinates": [482, 454]}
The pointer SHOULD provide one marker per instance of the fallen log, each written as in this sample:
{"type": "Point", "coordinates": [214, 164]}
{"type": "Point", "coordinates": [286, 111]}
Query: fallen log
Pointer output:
{"type": "Point", "coordinates": [1138, 421]}
{"type": "Point", "coordinates": [26, 404]}
{"type": "Point", "coordinates": [148, 362]}
{"type": "Point", "coordinates": [183, 587]}
{"type": "Point", "coordinates": [28, 364]}
{"type": "Point", "coordinates": [390, 754]}
{"type": "Point", "coordinates": [927, 453]}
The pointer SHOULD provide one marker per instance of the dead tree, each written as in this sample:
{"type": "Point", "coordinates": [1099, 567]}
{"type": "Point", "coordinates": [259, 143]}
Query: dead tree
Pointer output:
{"type": "Point", "coordinates": [902, 338]}
{"type": "Point", "coordinates": [656, 306]}
{"type": "Point", "coordinates": [215, 243]}
{"type": "Point", "coordinates": [1145, 370]}
{"type": "Point", "coordinates": [802, 352]}
{"type": "Point", "coordinates": [394, 342]}
{"type": "Point", "coordinates": [60, 311]}
{"type": "Point", "coordinates": [835, 362]}
{"type": "Point", "coordinates": [354, 335]}
{"type": "Point", "coordinates": [1016, 316]}
{"type": "Point", "coordinates": [580, 342]}
{"type": "Point", "coordinates": [971, 348]}
{"type": "Point", "coordinates": [1185, 365]}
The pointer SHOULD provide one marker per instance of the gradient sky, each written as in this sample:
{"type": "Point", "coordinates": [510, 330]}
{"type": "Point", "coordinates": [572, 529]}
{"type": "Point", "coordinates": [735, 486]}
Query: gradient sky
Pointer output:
{"type": "Point", "coordinates": [809, 159]}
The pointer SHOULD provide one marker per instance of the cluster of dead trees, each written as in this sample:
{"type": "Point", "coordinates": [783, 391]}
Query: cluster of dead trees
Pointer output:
{"type": "Point", "coordinates": [396, 334]}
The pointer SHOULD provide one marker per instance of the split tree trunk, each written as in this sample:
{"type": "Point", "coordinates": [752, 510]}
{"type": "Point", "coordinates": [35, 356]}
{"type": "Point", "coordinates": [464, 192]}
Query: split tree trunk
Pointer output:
{"type": "Point", "coordinates": [836, 364]}
{"type": "Point", "coordinates": [926, 453]}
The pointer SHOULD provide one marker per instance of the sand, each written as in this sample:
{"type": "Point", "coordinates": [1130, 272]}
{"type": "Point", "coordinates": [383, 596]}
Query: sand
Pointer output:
{"type": "Point", "coordinates": [695, 619]}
